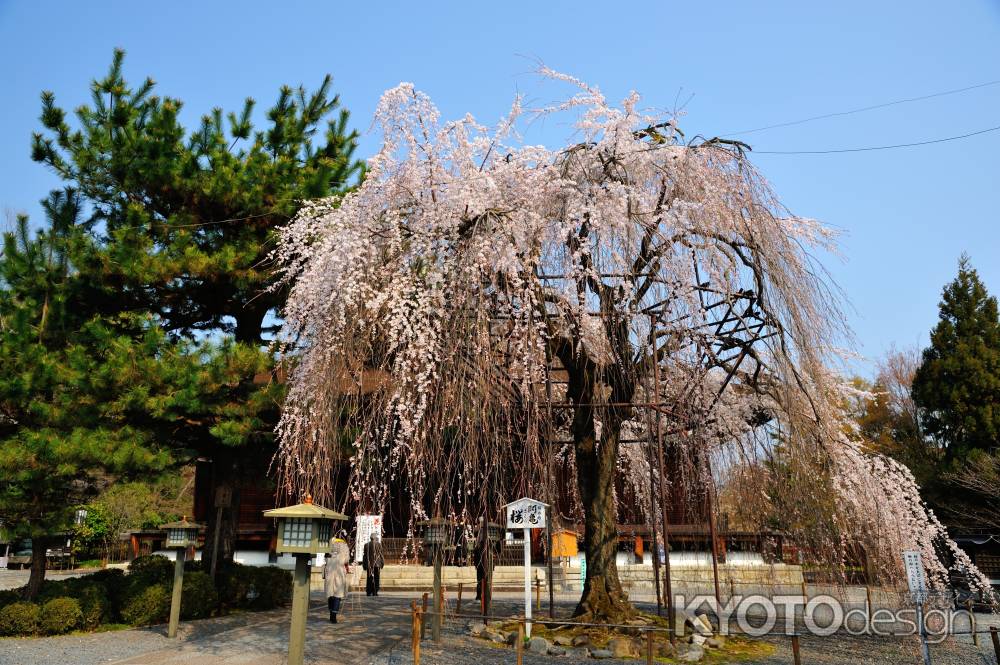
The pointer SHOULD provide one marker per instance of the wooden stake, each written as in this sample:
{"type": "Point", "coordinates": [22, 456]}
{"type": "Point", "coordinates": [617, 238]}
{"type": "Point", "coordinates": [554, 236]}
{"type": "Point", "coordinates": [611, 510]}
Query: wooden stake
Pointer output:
{"type": "Point", "coordinates": [416, 633]}
{"type": "Point", "coordinates": [795, 650]}
{"type": "Point", "coordinates": [538, 594]}
{"type": "Point", "coordinates": [649, 647]}
{"type": "Point", "coordinates": [996, 642]}
{"type": "Point", "coordinates": [458, 603]}
{"type": "Point", "coordinates": [520, 643]}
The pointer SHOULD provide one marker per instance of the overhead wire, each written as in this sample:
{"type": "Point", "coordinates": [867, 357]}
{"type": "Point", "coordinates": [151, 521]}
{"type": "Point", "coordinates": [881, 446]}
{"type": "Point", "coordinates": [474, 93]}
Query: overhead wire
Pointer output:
{"type": "Point", "coordinates": [876, 147]}
{"type": "Point", "coordinates": [864, 108]}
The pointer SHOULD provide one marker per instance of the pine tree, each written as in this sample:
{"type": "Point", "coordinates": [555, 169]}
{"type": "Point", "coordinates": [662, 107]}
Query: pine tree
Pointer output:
{"type": "Point", "coordinates": [957, 387]}
{"type": "Point", "coordinates": [70, 380]}
{"type": "Point", "coordinates": [87, 396]}
{"type": "Point", "coordinates": [186, 222]}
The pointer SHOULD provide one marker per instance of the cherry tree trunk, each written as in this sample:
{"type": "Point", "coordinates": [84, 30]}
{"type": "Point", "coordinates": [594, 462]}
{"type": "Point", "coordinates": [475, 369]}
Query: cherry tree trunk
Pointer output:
{"type": "Point", "coordinates": [603, 599]}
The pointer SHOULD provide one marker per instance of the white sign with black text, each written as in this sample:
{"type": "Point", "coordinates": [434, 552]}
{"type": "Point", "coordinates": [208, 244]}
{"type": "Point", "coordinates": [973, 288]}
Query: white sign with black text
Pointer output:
{"type": "Point", "coordinates": [526, 514]}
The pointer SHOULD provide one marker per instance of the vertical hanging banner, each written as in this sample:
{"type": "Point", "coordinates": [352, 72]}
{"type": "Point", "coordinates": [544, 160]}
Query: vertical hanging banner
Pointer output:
{"type": "Point", "coordinates": [526, 514]}
{"type": "Point", "coordinates": [366, 526]}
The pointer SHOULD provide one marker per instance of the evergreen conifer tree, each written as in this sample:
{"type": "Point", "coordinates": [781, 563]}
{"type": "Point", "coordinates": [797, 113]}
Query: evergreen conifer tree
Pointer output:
{"type": "Point", "coordinates": [185, 222]}
{"type": "Point", "coordinates": [957, 386]}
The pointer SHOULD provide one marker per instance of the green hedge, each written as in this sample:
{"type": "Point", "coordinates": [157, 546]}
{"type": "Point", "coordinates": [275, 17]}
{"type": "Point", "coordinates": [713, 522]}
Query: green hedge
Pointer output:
{"type": "Point", "coordinates": [199, 599]}
{"type": "Point", "coordinates": [271, 586]}
{"type": "Point", "coordinates": [19, 619]}
{"type": "Point", "coordinates": [142, 596]}
{"type": "Point", "coordinates": [60, 615]}
{"type": "Point", "coordinates": [148, 606]}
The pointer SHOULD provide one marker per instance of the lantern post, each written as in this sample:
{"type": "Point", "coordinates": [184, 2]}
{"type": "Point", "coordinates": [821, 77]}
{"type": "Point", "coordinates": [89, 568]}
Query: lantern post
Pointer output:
{"type": "Point", "coordinates": [437, 535]}
{"type": "Point", "coordinates": [180, 536]}
{"type": "Point", "coordinates": [304, 530]}
{"type": "Point", "coordinates": [494, 534]}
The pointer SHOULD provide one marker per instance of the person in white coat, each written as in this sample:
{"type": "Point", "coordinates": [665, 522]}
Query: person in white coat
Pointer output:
{"type": "Point", "coordinates": [335, 574]}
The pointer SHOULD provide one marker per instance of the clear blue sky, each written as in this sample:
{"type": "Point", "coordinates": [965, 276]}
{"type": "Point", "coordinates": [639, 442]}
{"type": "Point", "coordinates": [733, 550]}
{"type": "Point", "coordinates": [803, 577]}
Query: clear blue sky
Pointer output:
{"type": "Point", "coordinates": [907, 213]}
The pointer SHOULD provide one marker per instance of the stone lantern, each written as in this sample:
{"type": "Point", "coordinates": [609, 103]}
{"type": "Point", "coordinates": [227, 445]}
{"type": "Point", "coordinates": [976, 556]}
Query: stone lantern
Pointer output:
{"type": "Point", "coordinates": [437, 535]}
{"type": "Point", "coordinates": [303, 530]}
{"type": "Point", "coordinates": [180, 536]}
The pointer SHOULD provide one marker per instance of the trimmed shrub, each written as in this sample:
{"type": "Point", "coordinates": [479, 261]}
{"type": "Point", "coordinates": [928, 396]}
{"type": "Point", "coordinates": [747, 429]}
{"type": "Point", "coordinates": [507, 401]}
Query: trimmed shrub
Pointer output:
{"type": "Point", "coordinates": [95, 606]}
{"type": "Point", "coordinates": [151, 605]}
{"type": "Point", "coordinates": [115, 585]}
{"type": "Point", "coordinates": [199, 599]}
{"type": "Point", "coordinates": [232, 582]}
{"type": "Point", "coordinates": [271, 587]}
{"type": "Point", "coordinates": [151, 569]}
{"type": "Point", "coordinates": [60, 615]}
{"type": "Point", "coordinates": [8, 596]}
{"type": "Point", "coordinates": [19, 619]}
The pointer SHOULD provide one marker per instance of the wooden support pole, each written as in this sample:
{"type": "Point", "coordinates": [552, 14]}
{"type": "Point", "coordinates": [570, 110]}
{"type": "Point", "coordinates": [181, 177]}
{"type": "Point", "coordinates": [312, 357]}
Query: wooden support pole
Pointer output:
{"type": "Point", "coordinates": [538, 593]}
{"type": "Point", "coordinates": [804, 593]}
{"type": "Point", "coordinates": [520, 643]}
{"type": "Point", "coordinates": [714, 537]}
{"type": "Point", "coordinates": [795, 650]}
{"type": "Point", "coordinates": [972, 623]}
{"type": "Point", "coordinates": [668, 594]}
{"type": "Point", "coordinates": [996, 643]}
{"type": "Point", "coordinates": [868, 596]}
{"type": "Point", "coordinates": [649, 647]}
{"type": "Point", "coordinates": [482, 597]}
{"type": "Point", "coordinates": [458, 602]}
{"type": "Point", "coordinates": [423, 610]}
{"type": "Point", "coordinates": [416, 633]}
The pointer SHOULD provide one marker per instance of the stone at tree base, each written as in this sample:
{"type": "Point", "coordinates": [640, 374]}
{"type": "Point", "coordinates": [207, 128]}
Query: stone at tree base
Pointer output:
{"type": "Point", "coordinates": [621, 647]}
{"type": "Point", "coordinates": [716, 642]}
{"type": "Point", "coordinates": [693, 654]}
{"type": "Point", "coordinates": [494, 636]}
{"type": "Point", "coordinates": [563, 640]}
{"type": "Point", "coordinates": [580, 640]}
{"type": "Point", "coordinates": [556, 651]}
{"type": "Point", "coordinates": [538, 645]}
{"type": "Point", "coordinates": [476, 628]}
{"type": "Point", "coordinates": [601, 654]}
{"type": "Point", "coordinates": [698, 639]}
{"type": "Point", "coordinates": [512, 637]}
{"type": "Point", "coordinates": [703, 618]}
{"type": "Point", "coordinates": [664, 650]}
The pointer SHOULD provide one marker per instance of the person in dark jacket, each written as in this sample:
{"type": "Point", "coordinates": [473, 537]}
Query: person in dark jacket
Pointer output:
{"type": "Point", "coordinates": [372, 562]}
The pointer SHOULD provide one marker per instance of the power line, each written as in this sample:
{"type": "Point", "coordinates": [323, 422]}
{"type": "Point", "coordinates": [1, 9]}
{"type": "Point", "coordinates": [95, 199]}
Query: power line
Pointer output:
{"type": "Point", "coordinates": [865, 108]}
{"type": "Point", "coordinates": [876, 147]}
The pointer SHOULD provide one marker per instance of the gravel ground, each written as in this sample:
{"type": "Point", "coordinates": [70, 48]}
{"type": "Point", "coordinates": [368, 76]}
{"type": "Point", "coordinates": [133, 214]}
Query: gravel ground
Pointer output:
{"type": "Point", "coordinates": [13, 579]}
{"type": "Point", "coordinates": [376, 632]}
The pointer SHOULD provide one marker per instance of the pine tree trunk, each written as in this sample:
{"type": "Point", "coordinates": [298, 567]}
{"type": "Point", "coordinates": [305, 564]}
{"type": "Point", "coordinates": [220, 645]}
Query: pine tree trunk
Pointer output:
{"type": "Point", "coordinates": [39, 546]}
{"type": "Point", "coordinates": [603, 599]}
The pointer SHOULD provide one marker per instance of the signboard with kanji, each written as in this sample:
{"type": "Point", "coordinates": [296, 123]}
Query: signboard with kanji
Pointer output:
{"type": "Point", "coordinates": [525, 514]}
{"type": "Point", "coordinates": [915, 576]}
{"type": "Point", "coordinates": [367, 525]}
